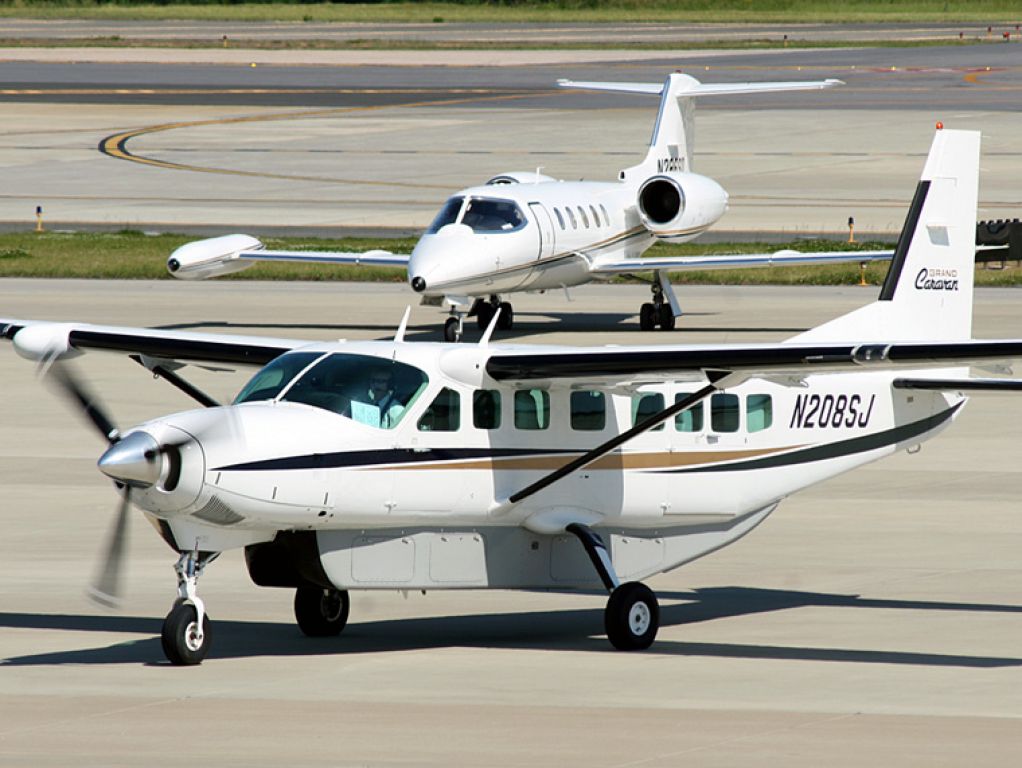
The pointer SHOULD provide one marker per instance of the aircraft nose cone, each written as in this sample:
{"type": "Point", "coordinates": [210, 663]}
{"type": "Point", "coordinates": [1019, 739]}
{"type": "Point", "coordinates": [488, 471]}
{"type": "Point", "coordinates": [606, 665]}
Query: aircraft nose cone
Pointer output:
{"type": "Point", "coordinates": [418, 284]}
{"type": "Point", "coordinates": [136, 460]}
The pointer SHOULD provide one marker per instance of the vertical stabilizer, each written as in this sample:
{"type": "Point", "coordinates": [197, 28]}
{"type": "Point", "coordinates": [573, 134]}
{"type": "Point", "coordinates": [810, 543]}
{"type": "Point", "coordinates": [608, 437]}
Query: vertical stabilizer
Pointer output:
{"type": "Point", "coordinates": [670, 146]}
{"type": "Point", "coordinates": [928, 291]}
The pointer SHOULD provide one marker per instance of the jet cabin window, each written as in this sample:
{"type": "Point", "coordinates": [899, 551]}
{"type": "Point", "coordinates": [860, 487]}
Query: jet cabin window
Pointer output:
{"type": "Point", "coordinates": [448, 215]}
{"type": "Point", "coordinates": [560, 218]}
{"type": "Point", "coordinates": [369, 390]}
{"type": "Point", "coordinates": [493, 215]}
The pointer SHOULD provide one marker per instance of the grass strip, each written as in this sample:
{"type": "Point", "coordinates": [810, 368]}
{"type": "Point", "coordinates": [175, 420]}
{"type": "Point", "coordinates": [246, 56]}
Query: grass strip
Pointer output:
{"type": "Point", "coordinates": [132, 255]}
{"type": "Point", "coordinates": [574, 11]}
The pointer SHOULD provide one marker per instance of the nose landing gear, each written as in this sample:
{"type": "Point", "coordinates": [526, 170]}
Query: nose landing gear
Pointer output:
{"type": "Point", "coordinates": [186, 635]}
{"type": "Point", "coordinates": [483, 310]}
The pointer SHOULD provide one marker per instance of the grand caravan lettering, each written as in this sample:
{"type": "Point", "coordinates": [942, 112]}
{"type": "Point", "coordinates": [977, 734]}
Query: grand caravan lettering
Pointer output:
{"type": "Point", "coordinates": [937, 280]}
{"type": "Point", "coordinates": [831, 411]}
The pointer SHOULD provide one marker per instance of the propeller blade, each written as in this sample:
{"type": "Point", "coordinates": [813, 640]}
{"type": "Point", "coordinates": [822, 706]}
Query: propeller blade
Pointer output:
{"type": "Point", "coordinates": [79, 393]}
{"type": "Point", "coordinates": [106, 589]}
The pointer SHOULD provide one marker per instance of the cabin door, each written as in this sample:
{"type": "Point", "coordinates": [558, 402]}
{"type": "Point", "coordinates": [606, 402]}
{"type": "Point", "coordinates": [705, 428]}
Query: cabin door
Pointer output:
{"type": "Point", "coordinates": [546, 230]}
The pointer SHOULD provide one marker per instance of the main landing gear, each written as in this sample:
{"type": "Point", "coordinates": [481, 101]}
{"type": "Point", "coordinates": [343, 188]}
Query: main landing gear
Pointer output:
{"type": "Point", "coordinates": [321, 612]}
{"type": "Point", "coordinates": [658, 312]}
{"type": "Point", "coordinates": [483, 310]}
{"type": "Point", "coordinates": [632, 616]}
{"type": "Point", "coordinates": [186, 636]}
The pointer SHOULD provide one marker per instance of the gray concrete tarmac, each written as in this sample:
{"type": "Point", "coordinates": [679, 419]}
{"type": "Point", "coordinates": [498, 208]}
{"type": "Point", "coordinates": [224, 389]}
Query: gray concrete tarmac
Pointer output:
{"type": "Point", "coordinates": [328, 142]}
{"type": "Point", "coordinates": [873, 619]}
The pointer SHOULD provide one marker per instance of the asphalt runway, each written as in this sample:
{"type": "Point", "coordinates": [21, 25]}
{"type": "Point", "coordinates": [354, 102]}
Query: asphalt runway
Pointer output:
{"type": "Point", "coordinates": [873, 619]}
{"type": "Point", "coordinates": [337, 141]}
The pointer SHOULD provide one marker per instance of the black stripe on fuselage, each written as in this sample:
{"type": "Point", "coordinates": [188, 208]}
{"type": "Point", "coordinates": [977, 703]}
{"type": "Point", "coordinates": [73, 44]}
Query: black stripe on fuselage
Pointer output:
{"type": "Point", "coordinates": [406, 457]}
{"type": "Point", "coordinates": [834, 450]}
{"type": "Point", "coordinates": [904, 242]}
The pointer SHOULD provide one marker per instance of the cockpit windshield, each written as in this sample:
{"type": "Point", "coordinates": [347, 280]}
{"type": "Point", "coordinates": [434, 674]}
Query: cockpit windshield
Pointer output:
{"type": "Point", "coordinates": [484, 215]}
{"type": "Point", "coordinates": [369, 390]}
{"type": "Point", "coordinates": [448, 215]}
{"type": "Point", "coordinates": [273, 377]}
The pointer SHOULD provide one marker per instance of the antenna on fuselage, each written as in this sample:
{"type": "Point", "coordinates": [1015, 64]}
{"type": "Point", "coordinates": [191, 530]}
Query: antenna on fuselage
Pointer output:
{"type": "Point", "coordinates": [489, 329]}
{"type": "Point", "coordinates": [403, 325]}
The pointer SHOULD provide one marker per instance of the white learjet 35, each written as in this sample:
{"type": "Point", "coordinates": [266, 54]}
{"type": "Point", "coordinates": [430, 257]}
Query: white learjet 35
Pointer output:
{"type": "Point", "coordinates": [529, 232]}
{"type": "Point", "coordinates": [396, 465]}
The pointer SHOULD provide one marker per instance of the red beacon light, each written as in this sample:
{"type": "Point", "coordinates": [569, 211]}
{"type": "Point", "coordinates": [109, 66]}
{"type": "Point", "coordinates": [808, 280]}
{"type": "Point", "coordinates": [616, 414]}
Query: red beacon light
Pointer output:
{"type": "Point", "coordinates": [940, 126]}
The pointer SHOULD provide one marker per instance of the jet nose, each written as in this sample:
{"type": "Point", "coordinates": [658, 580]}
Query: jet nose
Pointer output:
{"type": "Point", "coordinates": [135, 460]}
{"type": "Point", "coordinates": [418, 284]}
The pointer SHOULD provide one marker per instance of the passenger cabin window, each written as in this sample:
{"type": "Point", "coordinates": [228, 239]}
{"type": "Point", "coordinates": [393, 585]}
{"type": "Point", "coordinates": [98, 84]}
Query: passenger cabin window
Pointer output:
{"type": "Point", "coordinates": [448, 215]}
{"type": "Point", "coordinates": [484, 215]}
{"type": "Point", "coordinates": [691, 419]}
{"type": "Point", "coordinates": [596, 216]}
{"type": "Point", "coordinates": [571, 218]}
{"type": "Point", "coordinates": [443, 414]}
{"type": "Point", "coordinates": [606, 218]}
{"type": "Point", "coordinates": [582, 214]}
{"type": "Point", "coordinates": [588, 411]}
{"type": "Point", "coordinates": [645, 406]}
{"type": "Point", "coordinates": [532, 409]}
{"type": "Point", "coordinates": [759, 412]}
{"type": "Point", "coordinates": [273, 377]}
{"type": "Point", "coordinates": [724, 416]}
{"type": "Point", "coordinates": [560, 218]}
{"type": "Point", "coordinates": [370, 390]}
{"type": "Point", "coordinates": [486, 409]}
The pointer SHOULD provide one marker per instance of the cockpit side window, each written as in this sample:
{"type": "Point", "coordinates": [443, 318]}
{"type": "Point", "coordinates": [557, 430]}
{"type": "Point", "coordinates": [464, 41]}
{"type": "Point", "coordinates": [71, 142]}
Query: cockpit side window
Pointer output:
{"type": "Point", "coordinates": [493, 215]}
{"type": "Point", "coordinates": [370, 390]}
{"type": "Point", "coordinates": [271, 379]}
{"type": "Point", "coordinates": [448, 215]}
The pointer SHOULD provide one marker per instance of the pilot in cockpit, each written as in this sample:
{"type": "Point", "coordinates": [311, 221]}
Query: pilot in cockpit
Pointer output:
{"type": "Point", "coordinates": [382, 407]}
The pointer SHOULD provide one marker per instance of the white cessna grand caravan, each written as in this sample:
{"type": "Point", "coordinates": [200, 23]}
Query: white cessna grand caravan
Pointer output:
{"type": "Point", "coordinates": [529, 232]}
{"type": "Point", "coordinates": [396, 465]}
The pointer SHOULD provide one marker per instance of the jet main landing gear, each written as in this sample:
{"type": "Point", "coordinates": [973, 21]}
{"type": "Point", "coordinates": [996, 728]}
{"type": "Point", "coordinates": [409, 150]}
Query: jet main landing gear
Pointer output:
{"type": "Point", "coordinates": [632, 616]}
{"type": "Point", "coordinates": [321, 612]}
{"type": "Point", "coordinates": [185, 635]}
{"type": "Point", "coordinates": [657, 312]}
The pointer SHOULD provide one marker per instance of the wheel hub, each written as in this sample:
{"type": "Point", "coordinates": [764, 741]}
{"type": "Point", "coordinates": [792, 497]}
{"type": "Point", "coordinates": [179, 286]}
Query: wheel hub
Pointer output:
{"type": "Point", "coordinates": [639, 618]}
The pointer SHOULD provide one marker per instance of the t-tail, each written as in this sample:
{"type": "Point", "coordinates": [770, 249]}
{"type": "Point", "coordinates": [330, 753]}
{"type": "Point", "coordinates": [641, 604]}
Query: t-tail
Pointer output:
{"type": "Point", "coordinates": [927, 295]}
{"type": "Point", "coordinates": [670, 148]}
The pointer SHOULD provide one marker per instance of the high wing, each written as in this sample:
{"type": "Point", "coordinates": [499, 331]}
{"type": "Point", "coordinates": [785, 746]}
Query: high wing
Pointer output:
{"type": "Point", "coordinates": [734, 261]}
{"type": "Point", "coordinates": [38, 340]}
{"type": "Point", "coordinates": [702, 89]}
{"type": "Point", "coordinates": [623, 367]}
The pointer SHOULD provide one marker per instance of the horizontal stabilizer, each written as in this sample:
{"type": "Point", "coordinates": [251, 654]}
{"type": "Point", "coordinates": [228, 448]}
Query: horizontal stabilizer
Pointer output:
{"type": "Point", "coordinates": [697, 88]}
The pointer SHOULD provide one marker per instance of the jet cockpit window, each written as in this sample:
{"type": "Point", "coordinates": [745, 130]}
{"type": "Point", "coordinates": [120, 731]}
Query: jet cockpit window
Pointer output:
{"type": "Point", "coordinates": [273, 377]}
{"type": "Point", "coordinates": [484, 215]}
{"type": "Point", "coordinates": [448, 215]}
{"type": "Point", "coordinates": [369, 390]}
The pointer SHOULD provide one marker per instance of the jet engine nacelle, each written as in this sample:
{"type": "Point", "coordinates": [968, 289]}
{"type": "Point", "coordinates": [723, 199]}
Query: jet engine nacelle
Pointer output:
{"type": "Point", "coordinates": [212, 257]}
{"type": "Point", "coordinates": [678, 206]}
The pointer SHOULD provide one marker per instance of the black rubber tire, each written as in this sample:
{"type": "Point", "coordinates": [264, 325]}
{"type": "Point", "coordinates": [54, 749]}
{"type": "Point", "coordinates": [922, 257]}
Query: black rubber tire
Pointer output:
{"type": "Point", "coordinates": [632, 617]}
{"type": "Point", "coordinates": [647, 317]}
{"type": "Point", "coordinates": [484, 314]}
{"type": "Point", "coordinates": [666, 318]}
{"type": "Point", "coordinates": [321, 612]}
{"type": "Point", "coordinates": [506, 321]}
{"type": "Point", "coordinates": [178, 636]}
{"type": "Point", "coordinates": [451, 329]}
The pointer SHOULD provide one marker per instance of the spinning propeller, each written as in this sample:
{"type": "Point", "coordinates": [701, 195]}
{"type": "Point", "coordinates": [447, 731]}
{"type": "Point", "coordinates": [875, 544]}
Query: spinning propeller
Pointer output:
{"type": "Point", "coordinates": [133, 461]}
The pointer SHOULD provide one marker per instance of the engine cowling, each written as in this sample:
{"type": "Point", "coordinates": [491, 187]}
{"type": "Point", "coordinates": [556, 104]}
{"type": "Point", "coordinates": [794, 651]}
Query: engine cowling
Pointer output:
{"type": "Point", "coordinates": [212, 257]}
{"type": "Point", "coordinates": [679, 206]}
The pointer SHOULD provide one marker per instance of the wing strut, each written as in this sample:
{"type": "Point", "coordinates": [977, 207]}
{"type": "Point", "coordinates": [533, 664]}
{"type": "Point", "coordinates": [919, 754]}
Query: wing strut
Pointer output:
{"type": "Point", "coordinates": [718, 380]}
